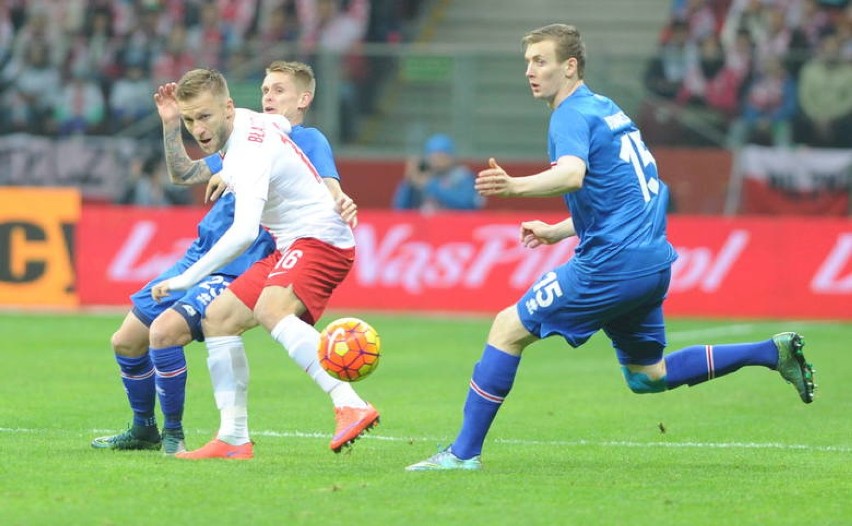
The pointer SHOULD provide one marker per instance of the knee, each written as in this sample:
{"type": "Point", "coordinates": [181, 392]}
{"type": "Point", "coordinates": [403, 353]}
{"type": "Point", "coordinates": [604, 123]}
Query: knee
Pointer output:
{"type": "Point", "coordinates": [266, 315]}
{"type": "Point", "coordinates": [639, 382]}
{"type": "Point", "coordinates": [170, 329]}
{"type": "Point", "coordinates": [227, 319]}
{"type": "Point", "coordinates": [125, 345]}
{"type": "Point", "coordinates": [508, 333]}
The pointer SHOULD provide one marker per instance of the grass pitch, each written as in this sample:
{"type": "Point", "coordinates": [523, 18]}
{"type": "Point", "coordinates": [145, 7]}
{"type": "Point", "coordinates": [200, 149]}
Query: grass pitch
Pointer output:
{"type": "Point", "coordinates": [572, 445]}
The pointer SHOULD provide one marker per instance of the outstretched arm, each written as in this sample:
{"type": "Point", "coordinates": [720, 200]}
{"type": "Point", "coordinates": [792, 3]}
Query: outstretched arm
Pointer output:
{"type": "Point", "coordinates": [182, 169]}
{"type": "Point", "coordinates": [563, 177]}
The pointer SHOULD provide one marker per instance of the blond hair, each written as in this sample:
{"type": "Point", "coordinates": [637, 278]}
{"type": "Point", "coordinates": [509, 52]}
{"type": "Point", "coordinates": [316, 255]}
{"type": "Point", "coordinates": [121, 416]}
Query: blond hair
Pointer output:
{"type": "Point", "coordinates": [197, 81]}
{"type": "Point", "coordinates": [568, 42]}
{"type": "Point", "coordinates": [302, 73]}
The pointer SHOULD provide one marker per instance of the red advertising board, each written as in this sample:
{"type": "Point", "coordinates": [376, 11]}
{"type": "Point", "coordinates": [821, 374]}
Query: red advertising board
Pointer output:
{"type": "Point", "coordinates": [472, 262]}
{"type": "Point", "coordinates": [120, 248]}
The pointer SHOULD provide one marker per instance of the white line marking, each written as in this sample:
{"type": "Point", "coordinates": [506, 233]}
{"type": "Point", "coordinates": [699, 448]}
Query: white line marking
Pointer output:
{"type": "Point", "coordinates": [521, 442]}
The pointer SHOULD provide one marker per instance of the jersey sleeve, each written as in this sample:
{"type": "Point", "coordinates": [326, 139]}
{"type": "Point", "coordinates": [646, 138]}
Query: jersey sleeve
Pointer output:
{"type": "Point", "coordinates": [214, 163]}
{"type": "Point", "coordinates": [569, 134]}
{"type": "Point", "coordinates": [317, 148]}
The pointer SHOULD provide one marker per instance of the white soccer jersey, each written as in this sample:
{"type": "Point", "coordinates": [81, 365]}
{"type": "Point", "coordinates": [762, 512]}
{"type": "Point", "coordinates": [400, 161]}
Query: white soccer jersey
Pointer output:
{"type": "Point", "coordinates": [260, 161]}
{"type": "Point", "coordinates": [274, 184]}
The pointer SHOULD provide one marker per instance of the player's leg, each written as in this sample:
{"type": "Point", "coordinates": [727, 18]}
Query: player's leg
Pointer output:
{"type": "Point", "coordinates": [553, 305]}
{"type": "Point", "coordinates": [130, 347]}
{"type": "Point", "coordinates": [226, 318]}
{"type": "Point", "coordinates": [492, 380]}
{"type": "Point", "coordinates": [169, 334]}
{"type": "Point", "coordinates": [783, 352]}
{"type": "Point", "coordinates": [639, 339]}
{"type": "Point", "coordinates": [296, 296]}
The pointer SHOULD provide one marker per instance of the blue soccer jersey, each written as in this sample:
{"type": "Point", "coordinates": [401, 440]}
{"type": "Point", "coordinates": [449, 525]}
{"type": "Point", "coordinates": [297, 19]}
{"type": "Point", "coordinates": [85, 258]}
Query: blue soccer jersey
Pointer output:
{"type": "Point", "coordinates": [620, 212]}
{"type": "Point", "coordinates": [316, 146]}
{"type": "Point", "coordinates": [193, 303]}
{"type": "Point", "coordinates": [214, 224]}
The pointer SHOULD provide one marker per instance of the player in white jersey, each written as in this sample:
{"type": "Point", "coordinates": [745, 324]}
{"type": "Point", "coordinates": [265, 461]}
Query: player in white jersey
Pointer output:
{"type": "Point", "coordinates": [276, 186]}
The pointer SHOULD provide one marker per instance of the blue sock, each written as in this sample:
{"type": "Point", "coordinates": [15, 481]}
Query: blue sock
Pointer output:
{"type": "Point", "coordinates": [170, 363]}
{"type": "Point", "coordinates": [492, 380]}
{"type": "Point", "coordinates": [700, 363]}
{"type": "Point", "coordinates": [137, 374]}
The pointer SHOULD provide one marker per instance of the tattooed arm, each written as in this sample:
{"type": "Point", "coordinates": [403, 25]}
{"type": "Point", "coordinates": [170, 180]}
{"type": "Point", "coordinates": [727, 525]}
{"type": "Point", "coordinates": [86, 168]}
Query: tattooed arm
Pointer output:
{"type": "Point", "coordinates": [182, 169]}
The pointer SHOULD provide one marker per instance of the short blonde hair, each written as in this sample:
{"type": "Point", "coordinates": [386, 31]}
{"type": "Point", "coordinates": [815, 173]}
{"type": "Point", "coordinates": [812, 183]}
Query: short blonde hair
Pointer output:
{"type": "Point", "coordinates": [197, 81]}
{"type": "Point", "coordinates": [568, 42]}
{"type": "Point", "coordinates": [302, 73]}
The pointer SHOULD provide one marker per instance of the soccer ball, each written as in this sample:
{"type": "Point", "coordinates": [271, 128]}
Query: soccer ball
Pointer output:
{"type": "Point", "coordinates": [349, 349]}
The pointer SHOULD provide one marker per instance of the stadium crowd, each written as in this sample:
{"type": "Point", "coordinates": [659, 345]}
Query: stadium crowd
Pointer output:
{"type": "Point", "coordinates": [91, 66]}
{"type": "Point", "coordinates": [758, 71]}
{"type": "Point", "coordinates": [766, 71]}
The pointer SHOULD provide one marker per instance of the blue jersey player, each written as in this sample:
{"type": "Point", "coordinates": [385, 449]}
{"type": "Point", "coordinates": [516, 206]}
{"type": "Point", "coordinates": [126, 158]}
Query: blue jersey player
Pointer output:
{"type": "Point", "coordinates": [149, 344]}
{"type": "Point", "coordinates": [619, 275]}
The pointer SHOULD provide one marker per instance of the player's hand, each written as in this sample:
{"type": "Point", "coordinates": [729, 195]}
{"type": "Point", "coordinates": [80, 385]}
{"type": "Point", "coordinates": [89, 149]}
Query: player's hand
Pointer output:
{"type": "Point", "coordinates": [160, 290]}
{"type": "Point", "coordinates": [215, 188]}
{"type": "Point", "coordinates": [166, 101]}
{"type": "Point", "coordinates": [347, 209]}
{"type": "Point", "coordinates": [537, 233]}
{"type": "Point", "coordinates": [493, 181]}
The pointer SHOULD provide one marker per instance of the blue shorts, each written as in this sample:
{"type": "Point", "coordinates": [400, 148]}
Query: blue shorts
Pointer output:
{"type": "Point", "coordinates": [575, 306]}
{"type": "Point", "coordinates": [191, 304]}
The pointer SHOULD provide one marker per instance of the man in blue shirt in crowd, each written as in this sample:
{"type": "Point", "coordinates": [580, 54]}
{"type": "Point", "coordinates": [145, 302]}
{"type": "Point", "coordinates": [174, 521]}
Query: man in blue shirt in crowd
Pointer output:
{"type": "Point", "coordinates": [620, 272]}
{"type": "Point", "coordinates": [437, 181]}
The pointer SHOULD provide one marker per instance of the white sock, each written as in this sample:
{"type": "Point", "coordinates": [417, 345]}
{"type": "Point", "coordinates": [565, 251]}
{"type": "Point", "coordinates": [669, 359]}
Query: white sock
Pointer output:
{"type": "Point", "coordinates": [229, 373]}
{"type": "Point", "coordinates": [301, 341]}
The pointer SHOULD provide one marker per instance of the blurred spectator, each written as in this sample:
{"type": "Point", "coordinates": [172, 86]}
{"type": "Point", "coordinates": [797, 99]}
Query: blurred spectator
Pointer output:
{"type": "Point", "coordinates": [145, 41]}
{"type": "Point", "coordinates": [131, 98]}
{"type": "Point", "coordinates": [212, 39]}
{"type": "Point", "coordinates": [29, 106]}
{"type": "Point", "coordinates": [700, 19]}
{"type": "Point", "coordinates": [437, 181]}
{"type": "Point", "coordinates": [95, 48]}
{"type": "Point", "coordinates": [175, 60]}
{"type": "Point", "coordinates": [280, 25]}
{"type": "Point", "coordinates": [813, 22]}
{"type": "Point", "coordinates": [776, 40]}
{"type": "Point", "coordinates": [667, 69]}
{"type": "Point", "coordinates": [825, 95]}
{"type": "Point", "coordinates": [751, 16]}
{"type": "Point", "coordinates": [329, 25]}
{"type": "Point", "coordinates": [38, 28]}
{"type": "Point", "coordinates": [81, 106]}
{"type": "Point", "coordinates": [768, 109]}
{"type": "Point", "coordinates": [148, 185]}
{"type": "Point", "coordinates": [237, 17]}
{"type": "Point", "coordinates": [711, 81]}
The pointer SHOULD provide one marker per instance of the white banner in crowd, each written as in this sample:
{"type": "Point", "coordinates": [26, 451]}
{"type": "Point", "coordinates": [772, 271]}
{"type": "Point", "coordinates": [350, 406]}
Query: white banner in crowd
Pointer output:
{"type": "Point", "coordinates": [98, 166]}
{"type": "Point", "coordinates": [797, 169]}
{"type": "Point", "coordinates": [804, 181]}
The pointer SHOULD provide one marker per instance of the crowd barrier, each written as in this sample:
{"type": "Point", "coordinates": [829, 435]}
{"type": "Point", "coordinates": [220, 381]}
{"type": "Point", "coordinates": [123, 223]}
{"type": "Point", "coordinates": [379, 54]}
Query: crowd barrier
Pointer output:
{"type": "Point", "coordinates": [55, 253]}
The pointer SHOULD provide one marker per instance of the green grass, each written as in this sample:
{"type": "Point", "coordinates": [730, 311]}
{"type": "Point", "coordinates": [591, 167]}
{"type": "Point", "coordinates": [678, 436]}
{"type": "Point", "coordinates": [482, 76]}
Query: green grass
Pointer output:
{"type": "Point", "coordinates": [572, 445]}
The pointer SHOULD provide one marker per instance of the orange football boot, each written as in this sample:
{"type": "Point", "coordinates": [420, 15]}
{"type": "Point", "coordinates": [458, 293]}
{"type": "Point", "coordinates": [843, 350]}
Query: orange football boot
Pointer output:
{"type": "Point", "coordinates": [219, 449]}
{"type": "Point", "coordinates": [352, 422]}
